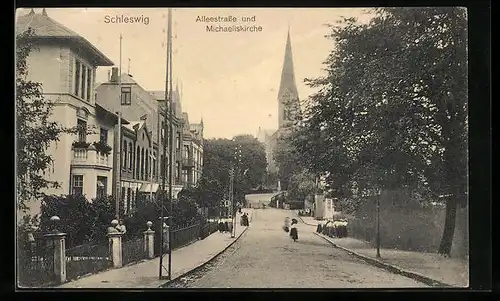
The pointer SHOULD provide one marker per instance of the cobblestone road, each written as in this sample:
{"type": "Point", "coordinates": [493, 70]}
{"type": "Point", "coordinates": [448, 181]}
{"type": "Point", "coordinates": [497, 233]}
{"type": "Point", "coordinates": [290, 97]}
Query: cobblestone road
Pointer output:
{"type": "Point", "coordinates": [266, 257]}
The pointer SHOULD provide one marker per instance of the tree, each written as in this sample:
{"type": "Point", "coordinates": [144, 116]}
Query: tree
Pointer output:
{"type": "Point", "coordinates": [302, 185]}
{"type": "Point", "coordinates": [219, 158]}
{"type": "Point", "coordinates": [392, 109]}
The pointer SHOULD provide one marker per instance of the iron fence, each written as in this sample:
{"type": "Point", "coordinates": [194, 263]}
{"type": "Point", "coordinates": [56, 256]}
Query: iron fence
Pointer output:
{"type": "Point", "coordinates": [133, 250]}
{"type": "Point", "coordinates": [209, 228]}
{"type": "Point", "coordinates": [184, 236]}
{"type": "Point", "coordinates": [87, 259]}
{"type": "Point", "coordinates": [36, 264]}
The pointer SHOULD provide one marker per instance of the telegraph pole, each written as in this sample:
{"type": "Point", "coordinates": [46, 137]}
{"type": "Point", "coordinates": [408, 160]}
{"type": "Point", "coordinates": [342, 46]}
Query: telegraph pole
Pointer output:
{"type": "Point", "coordinates": [166, 140]}
{"type": "Point", "coordinates": [119, 134]}
{"type": "Point", "coordinates": [171, 144]}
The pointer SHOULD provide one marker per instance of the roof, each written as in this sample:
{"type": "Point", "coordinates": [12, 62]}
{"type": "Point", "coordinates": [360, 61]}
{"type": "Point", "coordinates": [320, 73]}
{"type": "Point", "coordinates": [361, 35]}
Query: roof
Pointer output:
{"type": "Point", "coordinates": [108, 112]}
{"type": "Point", "coordinates": [159, 95]}
{"type": "Point", "coordinates": [133, 124]}
{"type": "Point", "coordinates": [46, 28]}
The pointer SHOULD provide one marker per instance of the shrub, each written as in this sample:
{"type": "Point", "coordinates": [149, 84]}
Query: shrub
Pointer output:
{"type": "Point", "coordinates": [102, 147]}
{"type": "Point", "coordinates": [81, 220]}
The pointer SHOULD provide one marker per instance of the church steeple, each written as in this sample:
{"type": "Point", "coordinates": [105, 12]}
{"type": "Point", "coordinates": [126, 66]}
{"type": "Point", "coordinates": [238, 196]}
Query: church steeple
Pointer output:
{"type": "Point", "coordinates": [288, 95]}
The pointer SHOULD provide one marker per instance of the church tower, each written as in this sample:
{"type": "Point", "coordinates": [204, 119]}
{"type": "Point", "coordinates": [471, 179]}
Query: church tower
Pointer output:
{"type": "Point", "coordinates": [288, 97]}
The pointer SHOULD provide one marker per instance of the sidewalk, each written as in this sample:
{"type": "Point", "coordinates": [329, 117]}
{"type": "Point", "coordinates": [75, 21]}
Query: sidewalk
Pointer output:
{"type": "Point", "coordinates": [145, 274]}
{"type": "Point", "coordinates": [430, 268]}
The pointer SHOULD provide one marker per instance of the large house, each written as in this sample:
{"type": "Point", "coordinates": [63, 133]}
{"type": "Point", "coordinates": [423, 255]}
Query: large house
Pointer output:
{"type": "Point", "coordinates": [65, 64]}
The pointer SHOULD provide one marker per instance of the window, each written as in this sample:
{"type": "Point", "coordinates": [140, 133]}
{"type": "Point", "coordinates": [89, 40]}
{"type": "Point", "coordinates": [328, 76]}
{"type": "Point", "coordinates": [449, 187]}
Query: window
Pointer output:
{"type": "Point", "coordinates": [126, 96]}
{"type": "Point", "coordinates": [162, 135]}
{"type": "Point", "coordinates": [89, 83]}
{"type": "Point", "coordinates": [146, 165]}
{"type": "Point", "coordinates": [186, 152]}
{"type": "Point", "coordinates": [84, 82]}
{"type": "Point", "coordinates": [142, 164]}
{"type": "Point", "coordinates": [102, 187]}
{"type": "Point", "coordinates": [137, 162]}
{"type": "Point", "coordinates": [154, 164]}
{"type": "Point", "coordinates": [83, 79]}
{"type": "Point", "coordinates": [162, 165]}
{"type": "Point", "coordinates": [178, 140]}
{"type": "Point", "coordinates": [130, 156]}
{"type": "Point", "coordinates": [77, 185]}
{"type": "Point", "coordinates": [103, 136]}
{"type": "Point", "coordinates": [77, 77]}
{"type": "Point", "coordinates": [125, 155]}
{"type": "Point", "coordinates": [82, 130]}
{"type": "Point", "coordinates": [177, 171]}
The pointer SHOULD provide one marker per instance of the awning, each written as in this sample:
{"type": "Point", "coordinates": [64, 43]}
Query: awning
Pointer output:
{"type": "Point", "coordinates": [149, 187]}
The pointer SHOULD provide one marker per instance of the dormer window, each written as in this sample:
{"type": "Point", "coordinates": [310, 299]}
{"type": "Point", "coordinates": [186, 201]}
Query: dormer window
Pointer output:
{"type": "Point", "coordinates": [126, 96]}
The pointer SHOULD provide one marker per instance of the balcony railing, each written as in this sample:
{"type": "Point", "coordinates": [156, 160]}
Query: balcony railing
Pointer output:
{"type": "Point", "coordinates": [83, 156]}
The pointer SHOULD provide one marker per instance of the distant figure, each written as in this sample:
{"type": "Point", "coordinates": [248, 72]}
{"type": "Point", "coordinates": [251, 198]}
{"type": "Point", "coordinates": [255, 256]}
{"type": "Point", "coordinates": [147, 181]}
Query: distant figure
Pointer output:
{"type": "Point", "coordinates": [286, 226]}
{"type": "Point", "coordinates": [226, 227]}
{"type": "Point", "coordinates": [121, 227]}
{"type": "Point", "coordinates": [294, 234]}
{"type": "Point", "coordinates": [220, 227]}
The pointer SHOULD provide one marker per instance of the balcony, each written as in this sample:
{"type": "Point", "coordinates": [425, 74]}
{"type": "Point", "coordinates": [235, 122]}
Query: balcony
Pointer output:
{"type": "Point", "coordinates": [187, 163]}
{"type": "Point", "coordinates": [90, 158]}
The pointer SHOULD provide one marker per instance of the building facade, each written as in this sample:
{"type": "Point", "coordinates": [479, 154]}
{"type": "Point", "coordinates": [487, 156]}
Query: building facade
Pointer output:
{"type": "Point", "coordinates": [65, 64]}
{"type": "Point", "coordinates": [192, 152]}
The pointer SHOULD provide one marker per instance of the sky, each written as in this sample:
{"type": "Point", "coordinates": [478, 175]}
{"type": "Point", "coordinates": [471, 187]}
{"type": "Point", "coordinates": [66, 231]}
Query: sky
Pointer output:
{"type": "Point", "coordinates": [228, 79]}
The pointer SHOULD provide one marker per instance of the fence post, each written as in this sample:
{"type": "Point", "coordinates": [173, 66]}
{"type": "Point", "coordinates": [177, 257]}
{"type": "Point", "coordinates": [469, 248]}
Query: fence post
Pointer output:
{"type": "Point", "coordinates": [149, 236]}
{"type": "Point", "coordinates": [57, 239]}
{"type": "Point", "coordinates": [115, 241]}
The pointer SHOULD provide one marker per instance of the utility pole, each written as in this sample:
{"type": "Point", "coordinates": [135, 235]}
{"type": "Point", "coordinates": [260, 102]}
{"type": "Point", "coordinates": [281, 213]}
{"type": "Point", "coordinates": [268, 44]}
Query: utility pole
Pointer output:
{"type": "Point", "coordinates": [167, 139]}
{"type": "Point", "coordinates": [119, 139]}
{"type": "Point", "coordinates": [171, 152]}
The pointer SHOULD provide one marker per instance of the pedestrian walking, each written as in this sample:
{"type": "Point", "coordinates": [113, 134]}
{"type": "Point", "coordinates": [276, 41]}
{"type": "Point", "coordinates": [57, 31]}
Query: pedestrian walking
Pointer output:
{"type": "Point", "coordinates": [294, 234]}
{"type": "Point", "coordinates": [286, 226]}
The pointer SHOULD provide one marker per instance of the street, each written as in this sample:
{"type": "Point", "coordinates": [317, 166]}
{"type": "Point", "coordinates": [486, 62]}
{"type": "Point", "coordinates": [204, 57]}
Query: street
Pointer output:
{"type": "Point", "coordinates": [266, 257]}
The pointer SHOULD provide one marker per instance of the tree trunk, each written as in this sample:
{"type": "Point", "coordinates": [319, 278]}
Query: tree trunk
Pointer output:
{"type": "Point", "coordinates": [449, 227]}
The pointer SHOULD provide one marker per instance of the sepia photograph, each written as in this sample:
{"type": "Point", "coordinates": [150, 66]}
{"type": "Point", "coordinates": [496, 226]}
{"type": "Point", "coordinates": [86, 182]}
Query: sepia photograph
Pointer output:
{"type": "Point", "coordinates": [182, 148]}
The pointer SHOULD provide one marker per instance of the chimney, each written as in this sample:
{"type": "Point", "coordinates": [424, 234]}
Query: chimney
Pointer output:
{"type": "Point", "coordinates": [114, 75]}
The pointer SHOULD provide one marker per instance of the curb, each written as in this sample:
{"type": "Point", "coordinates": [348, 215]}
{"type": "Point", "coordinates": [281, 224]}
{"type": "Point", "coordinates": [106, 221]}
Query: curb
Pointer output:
{"type": "Point", "coordinates": [389, 267]}
{"type": "Point", "coordinates": [307, 223]}
{"type": "Point", "coordinates": [206, 262]}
